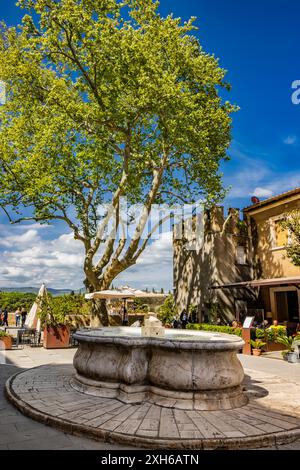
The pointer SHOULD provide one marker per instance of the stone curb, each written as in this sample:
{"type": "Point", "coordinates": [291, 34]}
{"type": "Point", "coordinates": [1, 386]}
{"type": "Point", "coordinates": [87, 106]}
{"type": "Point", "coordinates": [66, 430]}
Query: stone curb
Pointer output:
{"type": "Point", "coordinates": [98, 434]}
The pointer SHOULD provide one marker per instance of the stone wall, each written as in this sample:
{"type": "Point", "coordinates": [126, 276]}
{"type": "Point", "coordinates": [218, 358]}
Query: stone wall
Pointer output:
{"type": "Point", "coordinates": [215, 263]}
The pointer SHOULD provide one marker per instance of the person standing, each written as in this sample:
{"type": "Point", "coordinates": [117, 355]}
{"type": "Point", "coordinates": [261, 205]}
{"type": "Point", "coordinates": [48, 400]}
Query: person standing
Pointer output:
{"type": "Point", "coordinates": [125, 321]}
{"type": "Point", "coordinates": [18, 316]}
{"type": "Point", "coordinates": [184, 319]}
{"type": "Point", "coordinates": [23, 315]}
{"type": "Point", "coordinates": [5, 317]}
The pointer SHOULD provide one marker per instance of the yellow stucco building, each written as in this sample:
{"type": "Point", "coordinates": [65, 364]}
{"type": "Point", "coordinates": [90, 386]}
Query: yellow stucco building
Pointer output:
{"type": "Point", "coordinates": [242, 268]}
{"type": "Point", "coordinates": [280, 290]}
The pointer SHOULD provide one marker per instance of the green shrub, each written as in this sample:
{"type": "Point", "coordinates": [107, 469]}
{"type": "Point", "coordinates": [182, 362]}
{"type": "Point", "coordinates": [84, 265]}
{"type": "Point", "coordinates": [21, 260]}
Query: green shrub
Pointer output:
{"type": "Point", "coordinates": [261, 334]}
{"type": "Point", "coordinates": [3, 334]}
{"type": "Point", "coordinates": [14, 300]}
{"type": "Point", "coordinates": [220, 329]}
{"type": "Point", "coordinates": [168, 310]}
{"type": "Point", "coordinates": [56, 311]}
{"type": "Point", "coordinates": [271, 334]}
{"type": "Point", "coordinates": [140, 306]}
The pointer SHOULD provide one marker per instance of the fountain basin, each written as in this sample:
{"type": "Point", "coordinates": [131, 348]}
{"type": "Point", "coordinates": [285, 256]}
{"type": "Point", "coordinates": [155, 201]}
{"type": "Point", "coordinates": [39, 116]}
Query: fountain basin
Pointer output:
{"type": "Point", "coordinates": [185, 369]}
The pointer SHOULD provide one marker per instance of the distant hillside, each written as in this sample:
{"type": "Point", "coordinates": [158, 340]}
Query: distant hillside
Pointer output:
{"type": "Point", "coordinates": [34, 290]}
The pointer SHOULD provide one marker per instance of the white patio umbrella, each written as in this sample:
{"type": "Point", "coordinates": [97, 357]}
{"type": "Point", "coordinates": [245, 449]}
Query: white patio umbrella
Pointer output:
{"type": "Point", "coordinates": [32, 319]}
{"type": "Point", "coordinates": [123, 293]}
{"type": "Point", "coordinates": [109, 294]}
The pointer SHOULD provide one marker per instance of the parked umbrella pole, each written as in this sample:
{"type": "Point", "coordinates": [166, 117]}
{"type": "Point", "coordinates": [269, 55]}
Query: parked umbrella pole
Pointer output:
{"type": "Point", "coordinates": [124, 310]}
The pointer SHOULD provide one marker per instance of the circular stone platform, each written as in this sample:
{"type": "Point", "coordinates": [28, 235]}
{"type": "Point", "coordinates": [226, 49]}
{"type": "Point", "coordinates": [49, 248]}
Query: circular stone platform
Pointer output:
{"type": "Point", "coordinates": [44, 393]}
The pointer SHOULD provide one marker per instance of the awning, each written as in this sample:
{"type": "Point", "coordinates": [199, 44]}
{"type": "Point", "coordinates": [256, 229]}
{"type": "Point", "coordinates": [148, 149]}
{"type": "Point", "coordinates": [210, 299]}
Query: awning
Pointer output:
{"type": "Point", "coordinates": [277, 281]}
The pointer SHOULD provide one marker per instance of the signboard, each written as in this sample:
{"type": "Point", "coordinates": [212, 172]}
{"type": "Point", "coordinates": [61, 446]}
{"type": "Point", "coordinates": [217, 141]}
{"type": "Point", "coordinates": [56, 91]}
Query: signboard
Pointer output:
{"type": "Point", "coordinates": [248, 322]}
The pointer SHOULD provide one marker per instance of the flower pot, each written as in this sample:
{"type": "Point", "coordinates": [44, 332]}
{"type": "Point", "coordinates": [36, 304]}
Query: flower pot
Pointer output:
{"type": "Point", "coordinates": [56, 337]}
{"type": "Point", "coordinates": [284, 356]}
{"type": "Point", "coordinates": [5, 342]}
{"type": "Point", "coordinates": [256, 352]}
{"type": "Point", "coordinates": [292, 357]}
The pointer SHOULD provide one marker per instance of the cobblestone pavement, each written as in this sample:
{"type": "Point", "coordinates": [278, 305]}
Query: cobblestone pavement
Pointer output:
{"type": "Point", "coordinates": [20, 432]}
{"type": "Point", "coordinates": [46, 391]}
{"type": "Point", "coordinates": [17, 432]}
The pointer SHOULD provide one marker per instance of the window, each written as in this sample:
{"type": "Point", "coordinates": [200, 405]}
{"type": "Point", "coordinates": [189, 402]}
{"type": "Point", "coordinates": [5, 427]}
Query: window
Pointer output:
{"type": "Point", "coordinates": [281, 235]}
{"type": "Point", "coordinates": [241, 255]}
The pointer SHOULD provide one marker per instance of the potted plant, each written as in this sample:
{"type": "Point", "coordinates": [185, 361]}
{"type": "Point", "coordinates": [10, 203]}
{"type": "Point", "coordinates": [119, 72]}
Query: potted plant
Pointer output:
{"type": "Point", "coordinates": [291, 347]}
{"type": "Point", "coordinates": [284, 355]}
{"type": "Point", "coordinates": [5, 340]}
{"type": "Point", "coordinates": [257, 347]}
{"type": "Point", "coordinates": [54, 315]}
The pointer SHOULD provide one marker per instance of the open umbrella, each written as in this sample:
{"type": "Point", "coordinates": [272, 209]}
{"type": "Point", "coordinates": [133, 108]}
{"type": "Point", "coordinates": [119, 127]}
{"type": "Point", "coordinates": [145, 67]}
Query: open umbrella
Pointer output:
{"type": "Point", "coordinates": [123, 293]}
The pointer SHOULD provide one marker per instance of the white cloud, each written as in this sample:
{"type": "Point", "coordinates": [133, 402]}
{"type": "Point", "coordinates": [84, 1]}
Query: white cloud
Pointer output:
{"type": "Point", "coordinates": [30, 257]}
{"type": "Point", "coordinates": [262, 192]}
{"type": "Point", "coordinates": [290, 140]}
{"type": "Point", "coordinates": [27, 238]}
{"type": "Point", "coordinates": [251, 172]}
{"type": "Point", "coordinates": [154, 268]}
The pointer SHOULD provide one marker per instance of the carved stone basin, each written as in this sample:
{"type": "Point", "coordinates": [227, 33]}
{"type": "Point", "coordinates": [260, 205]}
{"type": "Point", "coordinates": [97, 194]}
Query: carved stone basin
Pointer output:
{"type": "Point", "coordinates": [185, 369]}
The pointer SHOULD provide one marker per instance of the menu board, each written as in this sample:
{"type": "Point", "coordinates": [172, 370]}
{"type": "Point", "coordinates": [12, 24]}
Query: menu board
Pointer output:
{"type": "Point", "coordinates": [248, 322]}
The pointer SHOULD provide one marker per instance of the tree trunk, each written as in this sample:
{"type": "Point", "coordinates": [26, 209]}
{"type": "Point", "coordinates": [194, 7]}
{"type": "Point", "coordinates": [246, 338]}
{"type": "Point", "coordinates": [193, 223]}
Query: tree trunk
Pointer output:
{"type": "Point", "coordinates": [99, 314]}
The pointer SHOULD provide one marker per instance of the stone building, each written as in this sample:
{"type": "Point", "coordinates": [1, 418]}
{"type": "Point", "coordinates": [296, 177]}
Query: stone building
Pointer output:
{"type": "Point", "coordinates": [240, 267]}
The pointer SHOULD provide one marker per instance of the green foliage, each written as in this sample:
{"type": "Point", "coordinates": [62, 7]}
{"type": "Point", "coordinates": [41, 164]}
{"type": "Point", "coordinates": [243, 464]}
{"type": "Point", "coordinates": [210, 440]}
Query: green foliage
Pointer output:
{"type": "Point", "coordinates": [193, 309]}
{"type": "Point", "coordinates": [270, 334]}
{"type": "Point", "coordinates": [284, 354]}
{"type": "Point", "coordinates": [257, 344]}
{"type": "Point", "coordinates": [13, 300]}
{"type": "Point", "coordinates": [140, 306]}
{"type": "Point", "coordinates": [220, 329]}
{"type": "Point", "coordinates": [289, 342]}
{"type": "Point", "coordinates": [291, 222]}
{"type": "Point", "coordinates": [168, 310]}
{"type": "Point", "coordinates": [107, 99]}
{"type": "Point", "coordinates": [3, 334]}
{"type": "Point", "coordinates": [56, 311]}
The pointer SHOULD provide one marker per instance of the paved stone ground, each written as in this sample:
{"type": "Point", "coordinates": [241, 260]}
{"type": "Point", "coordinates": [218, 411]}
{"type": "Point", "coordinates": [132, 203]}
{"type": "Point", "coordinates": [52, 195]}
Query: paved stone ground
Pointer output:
{"type": "Point", "coordinates": [19, 432]}
{"type": "Point", "coordinates": [47, 394]}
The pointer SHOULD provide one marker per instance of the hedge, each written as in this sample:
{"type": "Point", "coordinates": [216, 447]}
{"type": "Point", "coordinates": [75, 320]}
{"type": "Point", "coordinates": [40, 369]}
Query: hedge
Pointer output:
{"type": "Point", "coordinates": [220, 329]}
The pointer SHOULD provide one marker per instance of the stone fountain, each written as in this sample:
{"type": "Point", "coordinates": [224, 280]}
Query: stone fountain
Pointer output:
{"type": "Point", "coordinates": [173, 368]}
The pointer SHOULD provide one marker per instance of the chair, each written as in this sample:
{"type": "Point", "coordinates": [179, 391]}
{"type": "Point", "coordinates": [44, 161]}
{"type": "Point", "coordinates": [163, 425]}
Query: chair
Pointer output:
{"type": "Point", "coordinates": [26, 336]}
{"type": "Point", "coordinates": [36, 340]}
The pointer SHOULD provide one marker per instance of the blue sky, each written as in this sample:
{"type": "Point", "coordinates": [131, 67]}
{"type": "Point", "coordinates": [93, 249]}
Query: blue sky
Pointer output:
{"type": "Point", "coordinates": [257, 41]}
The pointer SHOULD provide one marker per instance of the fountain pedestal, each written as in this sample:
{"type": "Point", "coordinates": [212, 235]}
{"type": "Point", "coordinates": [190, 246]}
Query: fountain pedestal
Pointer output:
{"type": "Point", "coordinates": [184, 369]}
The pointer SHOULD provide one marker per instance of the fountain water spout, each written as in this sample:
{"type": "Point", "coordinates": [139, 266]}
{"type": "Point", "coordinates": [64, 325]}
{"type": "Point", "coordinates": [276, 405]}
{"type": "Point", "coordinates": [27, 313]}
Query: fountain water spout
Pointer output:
{"type": "Point", "coordinates": [153, 327]}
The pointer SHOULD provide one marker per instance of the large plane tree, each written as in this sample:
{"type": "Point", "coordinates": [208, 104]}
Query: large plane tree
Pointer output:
{"type": "Point", "coordinates": [107, 99]}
